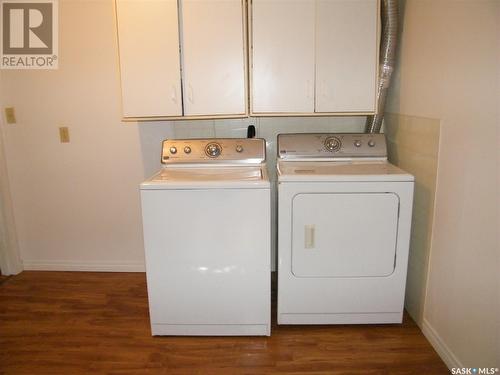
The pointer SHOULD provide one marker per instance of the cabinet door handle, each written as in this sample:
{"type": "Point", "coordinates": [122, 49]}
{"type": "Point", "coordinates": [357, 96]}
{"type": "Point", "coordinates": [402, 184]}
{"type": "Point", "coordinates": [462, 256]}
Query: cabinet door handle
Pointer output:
{"type": "Point", "coordinates": [324, 92]}
{"type": "Point", "coordinates": [190, 94]}
{"type": "Point", "coordinates": [309, 89]}
{"type": "Point", "coordinates": [174, 94]}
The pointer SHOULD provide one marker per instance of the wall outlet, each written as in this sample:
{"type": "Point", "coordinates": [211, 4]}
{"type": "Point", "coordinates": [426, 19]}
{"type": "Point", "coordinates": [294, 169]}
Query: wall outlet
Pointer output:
{"type": "Point", "coordinates": [10, 115]}
{"type": "Point", "coordinates": [64, 134]}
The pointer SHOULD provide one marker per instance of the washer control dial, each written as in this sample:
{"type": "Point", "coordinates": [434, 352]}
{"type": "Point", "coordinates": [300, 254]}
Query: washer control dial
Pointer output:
{"type": "Point", "coordinates": [371, 143]}
{"type": "Point", "coordinates": [187, 150]}
{"type": "Point", "coordinates": [213, 150]}
{"type": "Point", "coordinates": [173, 150]}
{"type": "Point", "coordinates": [239, 148]}
{"type": "Point", "coordinates": [333, 144]}
{"type": "Point", "coordinates": [357, 143]}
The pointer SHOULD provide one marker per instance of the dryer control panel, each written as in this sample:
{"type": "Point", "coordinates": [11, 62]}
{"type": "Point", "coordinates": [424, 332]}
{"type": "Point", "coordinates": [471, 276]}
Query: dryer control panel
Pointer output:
{"type": "Point", "coordinates": [214, 150]}
{"type": "Point", "coordinates": [331, 146]}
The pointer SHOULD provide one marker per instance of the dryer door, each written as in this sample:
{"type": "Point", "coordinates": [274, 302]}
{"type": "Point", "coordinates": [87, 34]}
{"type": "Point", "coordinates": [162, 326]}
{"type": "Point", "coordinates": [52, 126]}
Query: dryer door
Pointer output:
{"type": "Point", "coordinates": [344, 234]}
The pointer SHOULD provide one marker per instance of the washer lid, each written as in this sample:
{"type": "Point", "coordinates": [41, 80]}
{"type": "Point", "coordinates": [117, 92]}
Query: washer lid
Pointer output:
{"type": "Point", "coordinates": [208, 177]}
{"type": "Point", "coordinates": [340, 171]}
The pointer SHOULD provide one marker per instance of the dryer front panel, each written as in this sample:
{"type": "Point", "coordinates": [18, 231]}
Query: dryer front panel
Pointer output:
{"type": "Point", "coordinates": [340, 235]}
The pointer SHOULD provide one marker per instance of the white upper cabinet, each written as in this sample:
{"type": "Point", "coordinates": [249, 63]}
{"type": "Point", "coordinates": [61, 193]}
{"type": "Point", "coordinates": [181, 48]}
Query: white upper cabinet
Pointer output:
{"type": "Point", "coordinates": [213, 56]}
{"type": "Point", "coordinates": [149, 57]}
{"type": "Point", "coordinates": [283, 56]}
{"type": "Point", "coordinates": [306, 57]}
{"type": "Point", "coordinates": [346, 55]}
{"type": "Point", "coordinates": [201, 42]}
{"type": "Point", "coordinates": [314, 56]}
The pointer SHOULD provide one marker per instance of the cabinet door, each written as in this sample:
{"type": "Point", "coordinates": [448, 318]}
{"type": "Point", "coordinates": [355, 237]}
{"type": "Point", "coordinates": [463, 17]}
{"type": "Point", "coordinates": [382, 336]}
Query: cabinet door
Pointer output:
{"type": "Point", "coordinates": [148, 40]}
{"type": "Point", "coordinates": [283, 56]}
{"type": "Point", "coordinates": [213, 50]}
{"type": "Point", "coordinates": [346, 55]}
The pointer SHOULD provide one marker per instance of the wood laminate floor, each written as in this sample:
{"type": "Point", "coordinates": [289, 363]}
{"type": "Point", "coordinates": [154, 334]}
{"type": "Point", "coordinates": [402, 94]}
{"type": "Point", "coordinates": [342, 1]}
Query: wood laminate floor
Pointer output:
{"type": "Point", "coordinates": [97, 323]}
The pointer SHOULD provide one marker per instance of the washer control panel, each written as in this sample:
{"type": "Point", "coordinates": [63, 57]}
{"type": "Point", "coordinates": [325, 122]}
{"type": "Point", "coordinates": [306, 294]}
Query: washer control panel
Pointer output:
{"type": "Point", "coordinates": [214, 150]}
{"type": "Point", "coordinates": [331, 146]}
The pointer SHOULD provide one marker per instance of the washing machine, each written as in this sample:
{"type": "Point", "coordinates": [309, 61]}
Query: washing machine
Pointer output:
{"type": "Point", "coordinates": [344, 218]}
{"type": "Point", "coordinates": [206, 221]}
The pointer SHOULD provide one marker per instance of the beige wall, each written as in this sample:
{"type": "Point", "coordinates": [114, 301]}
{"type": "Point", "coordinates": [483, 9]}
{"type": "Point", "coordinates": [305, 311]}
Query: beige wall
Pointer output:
{"type": "Point", "coordinates": [77, 205]}
{"type": "Point", "coordinates": [449, 70]}
{"type": "Point", "coordinates": [76, 202]}
{"type": "Point", "coordinates": [10, 262]}
{"type": "Point", "coordinates": [413, 145]}
{"type": "Point", "coordinates": [498, 194]}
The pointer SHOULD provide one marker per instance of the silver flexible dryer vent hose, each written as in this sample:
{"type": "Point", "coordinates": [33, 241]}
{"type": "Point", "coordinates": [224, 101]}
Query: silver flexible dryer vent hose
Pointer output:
{"type": "Point", "coordinates": [390, 16]}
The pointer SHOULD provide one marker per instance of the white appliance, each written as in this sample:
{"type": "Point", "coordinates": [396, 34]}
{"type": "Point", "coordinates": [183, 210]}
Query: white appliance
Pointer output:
{"type": "Point", "coordinates": [344, 217]}
{"type": "Point", "coordinates": [206, 219]}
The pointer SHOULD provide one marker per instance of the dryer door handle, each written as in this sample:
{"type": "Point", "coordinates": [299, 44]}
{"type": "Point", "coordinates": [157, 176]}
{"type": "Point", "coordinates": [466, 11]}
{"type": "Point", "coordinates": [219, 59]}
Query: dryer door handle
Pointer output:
{"type": "Point", "coordinates": [309, 236]}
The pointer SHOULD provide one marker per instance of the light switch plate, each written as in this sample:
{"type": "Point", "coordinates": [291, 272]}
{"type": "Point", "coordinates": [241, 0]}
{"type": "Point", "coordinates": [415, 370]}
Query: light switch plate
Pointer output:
{"type": "Point", "coordinates": [10, 115]}
{"type": "Point", "coordinates": [64, 134]}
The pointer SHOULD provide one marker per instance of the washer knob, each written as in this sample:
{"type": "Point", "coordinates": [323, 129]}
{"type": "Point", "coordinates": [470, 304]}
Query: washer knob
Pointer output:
{"type": "Point", "coordinates": [187, 150]}
{"type": "Point", "coordinates": [173, 150]}
{"type": "Point", "coordinates": [213, 150]}
{"type": "Point", "coordinates": [371, 143]}
{"type": "Point", "coordinates": [357, 143]}
{"type": "Point", "coordinates": [239, 148]}
{"type": "Point", "coordinates": [333, 144]}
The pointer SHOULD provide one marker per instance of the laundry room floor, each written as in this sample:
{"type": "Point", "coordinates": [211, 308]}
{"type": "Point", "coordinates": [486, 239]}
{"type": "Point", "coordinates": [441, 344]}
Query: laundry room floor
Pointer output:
{"type": "Point", "coordinates": [84, 322]}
